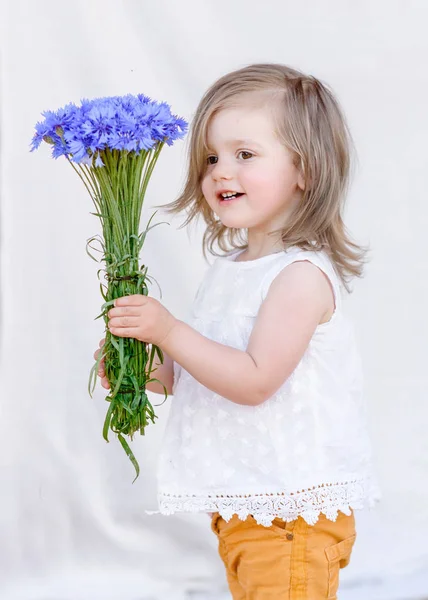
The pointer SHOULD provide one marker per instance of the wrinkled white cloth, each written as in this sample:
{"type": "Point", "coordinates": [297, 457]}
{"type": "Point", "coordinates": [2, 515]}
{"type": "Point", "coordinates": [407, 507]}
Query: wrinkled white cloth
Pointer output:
{"type": "Point", "coordinates": [305, 450]}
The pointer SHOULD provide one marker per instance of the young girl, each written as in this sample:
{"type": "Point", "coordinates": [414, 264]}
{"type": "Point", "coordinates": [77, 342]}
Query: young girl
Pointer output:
{"type": "Point", "coordinates": [266, 431]}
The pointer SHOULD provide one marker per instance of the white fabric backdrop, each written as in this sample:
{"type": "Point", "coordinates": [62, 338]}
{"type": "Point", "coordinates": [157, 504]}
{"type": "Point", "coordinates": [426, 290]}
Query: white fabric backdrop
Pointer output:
{"type": "Point", "coordinates": [72, 527]}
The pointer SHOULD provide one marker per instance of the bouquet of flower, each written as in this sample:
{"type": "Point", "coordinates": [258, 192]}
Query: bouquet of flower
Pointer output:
{"type": "Point", "coordinates": [113, 144]}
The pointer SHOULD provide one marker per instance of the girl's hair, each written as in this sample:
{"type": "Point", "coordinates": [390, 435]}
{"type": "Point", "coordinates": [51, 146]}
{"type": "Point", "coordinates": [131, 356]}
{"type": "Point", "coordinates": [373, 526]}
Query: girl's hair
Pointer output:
{"type": "Point", "coordinates": [311, 125]}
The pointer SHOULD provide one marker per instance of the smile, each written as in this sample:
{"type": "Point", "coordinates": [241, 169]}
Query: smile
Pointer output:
{"type": "Point", "coordinates": [229, 199]}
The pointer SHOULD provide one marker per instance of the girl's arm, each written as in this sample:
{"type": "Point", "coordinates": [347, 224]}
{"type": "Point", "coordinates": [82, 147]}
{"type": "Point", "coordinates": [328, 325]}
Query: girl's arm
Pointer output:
{"type": "Point", "coordinates": [298, 300]}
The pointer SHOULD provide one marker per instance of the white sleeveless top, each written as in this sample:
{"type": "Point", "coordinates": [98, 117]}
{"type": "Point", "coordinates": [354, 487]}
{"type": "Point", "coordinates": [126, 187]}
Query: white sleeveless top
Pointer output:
{"type": "Point", "coordinates": [305, 450]}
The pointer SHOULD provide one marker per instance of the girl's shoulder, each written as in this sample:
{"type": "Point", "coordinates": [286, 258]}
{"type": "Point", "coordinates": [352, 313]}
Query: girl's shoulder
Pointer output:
{"type": "Point", "coordinates": [319, 258]}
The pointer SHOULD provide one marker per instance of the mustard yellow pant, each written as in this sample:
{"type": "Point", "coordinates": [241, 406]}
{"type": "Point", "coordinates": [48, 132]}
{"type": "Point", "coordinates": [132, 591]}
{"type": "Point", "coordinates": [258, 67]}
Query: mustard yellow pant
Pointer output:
{"type": "Point", "coordinates": [286, 561]}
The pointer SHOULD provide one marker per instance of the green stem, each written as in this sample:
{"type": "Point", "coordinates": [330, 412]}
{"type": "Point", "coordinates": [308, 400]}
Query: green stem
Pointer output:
{"type": "Point", "coordinates": [119, 189]}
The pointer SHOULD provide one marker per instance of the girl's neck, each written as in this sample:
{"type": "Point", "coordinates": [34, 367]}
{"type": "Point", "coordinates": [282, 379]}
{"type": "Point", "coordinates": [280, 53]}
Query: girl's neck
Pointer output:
{"type": "Point", "coordinates": [254, 253]}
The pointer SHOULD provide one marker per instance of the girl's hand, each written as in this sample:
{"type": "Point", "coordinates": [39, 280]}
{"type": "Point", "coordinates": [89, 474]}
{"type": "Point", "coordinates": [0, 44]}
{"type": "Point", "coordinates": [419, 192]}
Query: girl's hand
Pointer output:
{"type": "Point", "coordinates": [140, 317]}
{"type": "Point", "coordinates": [101, 369]}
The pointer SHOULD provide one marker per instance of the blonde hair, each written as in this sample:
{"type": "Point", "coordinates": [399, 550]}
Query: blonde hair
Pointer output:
{"type": "Point", "coordinates": [311, 125]}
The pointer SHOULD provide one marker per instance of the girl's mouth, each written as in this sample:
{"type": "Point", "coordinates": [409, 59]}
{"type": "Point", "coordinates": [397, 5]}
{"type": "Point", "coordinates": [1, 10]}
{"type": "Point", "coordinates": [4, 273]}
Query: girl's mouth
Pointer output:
{"type": "Point", "coordinates": [230, 198]}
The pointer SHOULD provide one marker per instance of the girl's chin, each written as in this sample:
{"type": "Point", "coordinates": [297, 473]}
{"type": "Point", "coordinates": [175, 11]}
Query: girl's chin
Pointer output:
{"type": "Point", "coordinates": [233, 221]}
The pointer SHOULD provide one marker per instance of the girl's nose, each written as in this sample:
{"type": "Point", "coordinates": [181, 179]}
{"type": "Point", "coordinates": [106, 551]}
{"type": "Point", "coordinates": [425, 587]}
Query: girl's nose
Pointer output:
{"type": "Point", "coordinates": [221, 171]}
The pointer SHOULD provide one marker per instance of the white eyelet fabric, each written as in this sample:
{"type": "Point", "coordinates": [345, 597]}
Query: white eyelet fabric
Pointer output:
{"type": "Point", "coordinates": [305, 450]}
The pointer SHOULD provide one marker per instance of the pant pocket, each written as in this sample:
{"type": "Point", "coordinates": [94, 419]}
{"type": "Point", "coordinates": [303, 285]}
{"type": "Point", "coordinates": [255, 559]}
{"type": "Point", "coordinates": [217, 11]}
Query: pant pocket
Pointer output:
{"type": "Point", "coordinates": [338, 557]}
{"type": "Point", "coordinates": [214, 523]}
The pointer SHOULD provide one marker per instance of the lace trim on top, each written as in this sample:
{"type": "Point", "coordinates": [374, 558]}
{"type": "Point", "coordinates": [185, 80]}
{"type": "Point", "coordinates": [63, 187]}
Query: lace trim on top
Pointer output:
{"type": "Point", "coordinates": [309, 504]}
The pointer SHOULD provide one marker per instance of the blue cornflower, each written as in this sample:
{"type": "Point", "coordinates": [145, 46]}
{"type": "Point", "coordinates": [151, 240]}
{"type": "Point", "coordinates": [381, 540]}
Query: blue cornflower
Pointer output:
{"type": "Point", "coordinates": [127, 123]}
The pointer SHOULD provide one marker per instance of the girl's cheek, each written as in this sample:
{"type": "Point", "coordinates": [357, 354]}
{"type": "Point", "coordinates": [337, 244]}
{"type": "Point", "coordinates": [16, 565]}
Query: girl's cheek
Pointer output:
{"type": "Point", "coordinates": [255, 179]}
{"type": "Point", "coordinates": [204, 186]}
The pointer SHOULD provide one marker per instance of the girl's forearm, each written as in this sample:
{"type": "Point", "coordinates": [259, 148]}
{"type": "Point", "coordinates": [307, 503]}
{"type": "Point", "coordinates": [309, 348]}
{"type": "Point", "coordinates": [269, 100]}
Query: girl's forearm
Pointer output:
{"type": "Point", "coordinates": [225, 370]}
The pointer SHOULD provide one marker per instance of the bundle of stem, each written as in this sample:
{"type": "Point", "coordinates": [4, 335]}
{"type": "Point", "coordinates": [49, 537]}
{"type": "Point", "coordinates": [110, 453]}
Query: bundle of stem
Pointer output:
{"type": "Point", "coordinates": [117, 190]}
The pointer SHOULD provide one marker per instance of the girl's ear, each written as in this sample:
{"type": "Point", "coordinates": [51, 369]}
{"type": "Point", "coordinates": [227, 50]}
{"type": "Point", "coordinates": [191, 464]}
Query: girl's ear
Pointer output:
{"type": "Point", "coordinates": [298, 163]}
{"type": "Point", "coordinates": [301, 180]}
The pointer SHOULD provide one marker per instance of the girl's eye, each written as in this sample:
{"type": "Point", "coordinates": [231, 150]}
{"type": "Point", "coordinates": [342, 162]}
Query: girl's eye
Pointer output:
{"type": "Point", "coordinates": [211, 160]}
{"type": "Point", "coordinates": [247, 154]}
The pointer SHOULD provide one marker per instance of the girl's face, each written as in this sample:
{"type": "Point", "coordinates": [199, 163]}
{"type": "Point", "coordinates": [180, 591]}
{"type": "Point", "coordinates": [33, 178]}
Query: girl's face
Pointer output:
{"type": "Point", "coordinates": [246, 157]}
